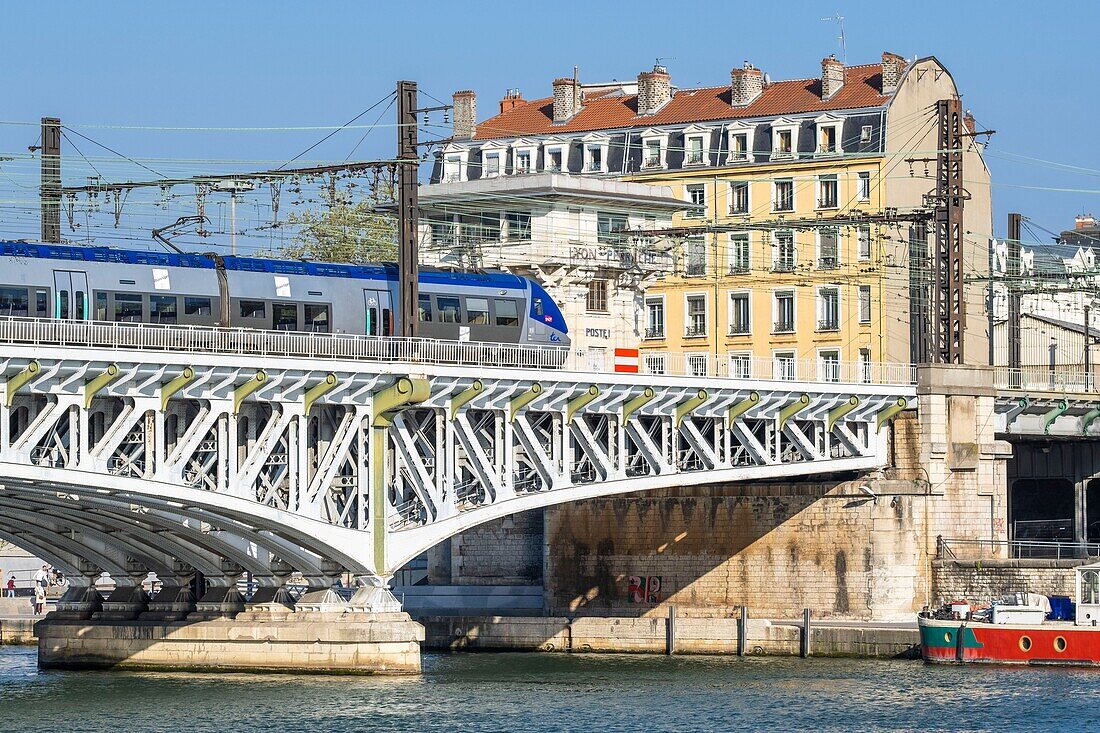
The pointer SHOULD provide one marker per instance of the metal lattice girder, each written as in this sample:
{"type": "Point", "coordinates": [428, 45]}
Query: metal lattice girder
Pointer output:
{"type": "Point", "coordinates": [364, 465]}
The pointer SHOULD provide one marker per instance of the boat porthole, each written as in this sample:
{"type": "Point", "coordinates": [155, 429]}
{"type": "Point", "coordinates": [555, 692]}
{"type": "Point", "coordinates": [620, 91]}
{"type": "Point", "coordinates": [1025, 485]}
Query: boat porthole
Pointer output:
{"type": "Point", "coordinates": [1025, 643]}
{"type": "Point", "coordinates": [1059, 643]}
{"type": "Point", "coordinates": [947, 636]}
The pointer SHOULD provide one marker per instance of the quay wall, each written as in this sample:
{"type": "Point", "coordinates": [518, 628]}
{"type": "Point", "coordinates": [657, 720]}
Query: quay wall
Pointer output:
{"type": "Point", "coordinates": [979, 581]}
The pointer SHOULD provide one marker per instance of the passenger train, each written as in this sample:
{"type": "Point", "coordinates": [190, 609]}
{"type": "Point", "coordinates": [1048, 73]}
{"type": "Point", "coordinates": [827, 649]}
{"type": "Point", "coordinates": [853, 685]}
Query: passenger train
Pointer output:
{"type": "Point", "coordinates": [105, 284]}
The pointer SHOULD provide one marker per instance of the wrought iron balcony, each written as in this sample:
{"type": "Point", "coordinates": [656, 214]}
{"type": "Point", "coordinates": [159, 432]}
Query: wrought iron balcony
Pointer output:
{"type": "Point", "coordinates": [828, 263]}
{"type": "Point", "coordinates": [828, 324]}
{"type": "Point", "coordinates": [783, 326]}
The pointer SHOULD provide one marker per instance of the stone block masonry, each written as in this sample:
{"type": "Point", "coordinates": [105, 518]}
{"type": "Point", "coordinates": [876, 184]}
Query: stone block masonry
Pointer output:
{"type": "Point", "coordinates": [979, 581]}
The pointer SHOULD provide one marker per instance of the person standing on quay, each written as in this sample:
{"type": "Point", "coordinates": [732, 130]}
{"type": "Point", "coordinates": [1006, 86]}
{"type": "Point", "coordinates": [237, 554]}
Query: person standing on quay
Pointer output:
{"type": "Point", "coordinates": [11, 585]}
{"type": "Point", "coordinates": [39, 599]}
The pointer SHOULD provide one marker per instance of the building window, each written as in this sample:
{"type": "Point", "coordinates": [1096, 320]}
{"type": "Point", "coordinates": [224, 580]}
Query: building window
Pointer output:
{"type": "Point", "coordinates": [652, 158]}
{"type": "Point", "coordinates": [695, 257]}
{"type": "Point", "coordinates": [783, 251]}
{"type": "Point", "coordinates": [597, 296]}
{"type": "Point", "coordinates": [696, 324]}
{"type": "Point", "coordinates": [829, 366]}
{"type": "Point", "coordinates": [517, 225]}
{"type": "Point", "coordinates": [654, 318]}
{"type": "Point", "coordinates": [863, 186]}
{"type": "Point", "coordinates": [740, 366]}
{"type": "Point", "coordinates": [523, 161]}
{"type": "Point", "coordinates": [784, 311]}
{"type": "Point", "coordinates": [698, 365]}
{"type": "Point", "coordinates": [694, 151]}
{"type": "Point", "coordinates": [739, 254]}
{"type": "Point", "coordinates": [452, 169]}
{"type": "Point", "coordinates": [553, 159]}
{"type": "Point", "coordinates": [740, 320]}
{"type": "Point", "coordinates": [784, 366]}
{"type": "Point", "coordinates": [863, 243]}
{"type": "Point", "coordinates": [865, 134]}
{"type": "Point", "coordinates": [739, 197]}
{"type": "Point", "coordinates": [865, 366]}
{"type": "Point", "coordinates": [697, 196]}
{"type": "Point", "coordinates": [864, 303]}
{"type": "Point", "coordinates": [828, 309]}
{"type": "Point", "coordinates": [827, 197]}
{"type": "Point", "coordinates": [784, 143]}
{"type": "Point", "coordinates": [654, 363]}
{"type": "Point", "coordinates": [783, 198]}
{"type": "Point", "coordinates": [827, 137]}
{"type": "Point", "coordinates": [828, 251]}
{"type": "Point", "coordinates": [594, 158]}
{"type": "Point", "coordinates": [610, 228]}
{"type": "Point", "coordinates": [492, 165]}
{"type": "Point", "coordinates": [739, 146]}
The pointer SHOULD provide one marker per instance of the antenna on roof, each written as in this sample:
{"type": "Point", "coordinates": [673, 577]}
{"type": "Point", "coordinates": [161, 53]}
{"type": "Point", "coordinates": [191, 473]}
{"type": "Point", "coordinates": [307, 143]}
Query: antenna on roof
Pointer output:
{"type": "Point", "coordinates": [839, 20]}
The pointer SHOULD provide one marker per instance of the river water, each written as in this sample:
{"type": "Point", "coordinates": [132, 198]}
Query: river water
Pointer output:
{"type": "Point", "coordinates": [533, 693]}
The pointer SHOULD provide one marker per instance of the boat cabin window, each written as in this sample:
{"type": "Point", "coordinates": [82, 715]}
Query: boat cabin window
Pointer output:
{"type": "Point", "coordinates": [507, 312]}
{"type": "Point", "coordinates": [449, 310]}
{"type": "Point", "coordinates": [477, 311]}
{"type": "Point", "coordinates": [1090, 587]}
{"type": "Point", "coordinates": [14, 302]}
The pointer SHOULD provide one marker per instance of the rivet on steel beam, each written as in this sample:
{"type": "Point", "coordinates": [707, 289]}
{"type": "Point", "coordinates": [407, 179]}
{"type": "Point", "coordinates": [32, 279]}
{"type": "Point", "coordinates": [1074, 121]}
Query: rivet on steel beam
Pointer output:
{"type": "Point", "coordinates": [887, 413]}
{"type": "Point", "coordinates": [175, 385]}
{"type": "Point", "coordinates": [239, 393]}
{"type": "Point", "coordinates": [523, 399]}
{"type": "Point", "coordinates": [97, 383]}
{"type": "Point", "coordinates": [636, 403]}
{"type": "Point", "coordinates": [580, 401]}
{"type": "Point", "coordinates": [686, 407]}
{"type": "Point", "coordinates": [17, 381]}
{"type": "Point", "coordinates": [1053, 414]}
{"type": "Point", "coordinates": [740, 408]}
{"type": "Point", "coordinates": [462, 398]}
{"type": "Point", "coordinates": [314, 393]}
{"type": "Point", "coordinates": [840, 411]}
{"type": "Point", "coordinates": [793, 409]}
{"type": "Point", "coordinates": [405, 391]}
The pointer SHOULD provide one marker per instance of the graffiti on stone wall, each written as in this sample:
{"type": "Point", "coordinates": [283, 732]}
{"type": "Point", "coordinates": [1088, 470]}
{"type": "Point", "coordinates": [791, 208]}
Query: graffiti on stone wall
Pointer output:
{"type": "Point", "coordinates": [645, 589]}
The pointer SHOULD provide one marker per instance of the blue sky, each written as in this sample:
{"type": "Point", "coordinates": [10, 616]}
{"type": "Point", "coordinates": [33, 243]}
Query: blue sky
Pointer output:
{"type": "Point", "coordinates": [1029, 75]}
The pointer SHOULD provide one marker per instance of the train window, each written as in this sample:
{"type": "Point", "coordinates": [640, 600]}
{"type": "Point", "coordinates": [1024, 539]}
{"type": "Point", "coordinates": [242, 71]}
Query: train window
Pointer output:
{"type": "Point", "coordinates": [449, 310]}
{"type": "Point", "coordinates": [127, 308]}
{"type": "Point", "coordinates": [81, 305]}
{"type": "Point", "coordinates": [507, 312]}
{"type": "Point", "coordinates": [63, 304]}
{"type": "Point", "coordinates": [538, 306]}
{"type": "Point", "coordinates": [372, 321]}
{"type": "Point", "coordinates": [14, 302]}
{"type": "Point", "coordinates": [41, 299]}
{"type": "Point", "coordinates": [197, 306]}
{"type": "Point", "coordinates": [100, 306]}
{"type": "Point", "coordinates": [285, 316]}
{"type": "Point", "coordinates": [424, 306]}
{"type": "Point", "coordinates": [253, 309]}
{"type": "Point", "coordinates": [162, 309]}
{"type": "Point", "coordinates": [477, 311]}
{"type": "Point", "coordinates": [317, 318]}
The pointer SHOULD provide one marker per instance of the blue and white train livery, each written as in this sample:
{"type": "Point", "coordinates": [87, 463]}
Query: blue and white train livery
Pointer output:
{"type": "Point", "coordinates": [105, 284]}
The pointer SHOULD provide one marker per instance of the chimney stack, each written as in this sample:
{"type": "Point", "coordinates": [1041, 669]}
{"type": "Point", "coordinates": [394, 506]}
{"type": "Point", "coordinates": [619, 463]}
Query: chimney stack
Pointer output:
{"type": "Point", "coordinates": [567, 98]}
{"type": "Point", "coordinates": [1084, 221]}
{"type": "Point", "coordinates": [512, 99]}
{"type": "Point", "coordinates": [832, 76]}
{"type": "Point", "coordinates": [893, 66]}
{"type": "Point", "coordinates": [654, 89]}
{"type": "Point", "coordinates": [465, 114]}
{"type": "Point", "coordinates": [746, 84]}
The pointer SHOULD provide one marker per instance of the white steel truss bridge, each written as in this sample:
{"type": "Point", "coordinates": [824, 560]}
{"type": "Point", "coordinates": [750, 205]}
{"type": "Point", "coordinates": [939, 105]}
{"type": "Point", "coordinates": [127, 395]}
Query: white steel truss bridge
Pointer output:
{"type": "Point", "coordinates": [128, 448]}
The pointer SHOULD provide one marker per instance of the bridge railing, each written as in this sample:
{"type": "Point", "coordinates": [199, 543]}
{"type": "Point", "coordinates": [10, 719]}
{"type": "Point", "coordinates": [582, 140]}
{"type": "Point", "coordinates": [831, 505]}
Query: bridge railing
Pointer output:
{"type": "Point", "coordinates": [968, 549]}
{"type": "Point", "coordinates": [180, 338]}
{"type": "Point", "coordinates": [1045, 379]}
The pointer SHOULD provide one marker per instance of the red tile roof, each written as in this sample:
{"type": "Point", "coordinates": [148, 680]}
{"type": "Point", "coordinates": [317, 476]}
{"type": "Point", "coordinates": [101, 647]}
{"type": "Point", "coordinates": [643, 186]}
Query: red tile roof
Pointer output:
{"type": "Point", "coordinates": [862, 88]}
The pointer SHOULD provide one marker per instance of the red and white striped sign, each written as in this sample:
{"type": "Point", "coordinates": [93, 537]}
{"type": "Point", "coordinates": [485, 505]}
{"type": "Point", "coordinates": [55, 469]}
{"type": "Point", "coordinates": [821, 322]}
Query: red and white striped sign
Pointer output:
{"type": "Point", "coordinates": [626, 360]}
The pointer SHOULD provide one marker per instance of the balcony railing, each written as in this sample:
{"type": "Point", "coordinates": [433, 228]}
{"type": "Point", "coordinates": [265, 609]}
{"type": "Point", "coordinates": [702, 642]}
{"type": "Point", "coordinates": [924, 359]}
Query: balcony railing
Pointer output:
{"type": "Point", "coordinates": [695, 269]}
{"type": "Point", "coordinates": [740, 329]}
{"type": "Point", "coordinates": [739, 269]}
{"type": "Point", "coordinates": [828, 263]}
{"type": "Point", "coordinates": [655, 333]}
{"type": "Point", "coordinates": [783, 265]}
{"type": "Point", "coordinates": [781, 206]}
{"type": "Point", "coordinates": [783, 326]}
{"type": "Point", "coordinates": [693, 159]}
{"type": "Point", "coordinates": [739, 209]}
{"type": "Point", "coordinates": [827, 202]}
{"type": "Point", "coordinates": [828, 324]}
{"type": "Point", "coordinates": [694, 331]}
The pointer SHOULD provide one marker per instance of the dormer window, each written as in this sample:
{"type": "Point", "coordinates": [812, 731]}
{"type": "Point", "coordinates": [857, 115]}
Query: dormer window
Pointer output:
{"type": "Point", "coordinates": [492, 165]}
{"type": "Point", "coordinates": [595, 153]}
{"type": "Point", "coordinates": [784, 138]}
{"type": "Point", "coordinates": [454, 165]}
{"type": "Point", "coordinates": [553, 159]}
{"type": "Point", "coordinates": [654, 149]}
{"type": "Point", "coordinates": [523, 161]}
{"type": "Point", "coordinates": [740, 142]}
{"type": "Point", "coordinates": [696, 145]}
{"type": "Point", "coordinates": [829, 128]}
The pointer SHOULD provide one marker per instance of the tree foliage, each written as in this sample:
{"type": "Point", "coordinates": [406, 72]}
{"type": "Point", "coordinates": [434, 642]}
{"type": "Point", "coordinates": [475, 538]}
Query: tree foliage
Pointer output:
{"type": "Point", "coordinates": [352, 233]}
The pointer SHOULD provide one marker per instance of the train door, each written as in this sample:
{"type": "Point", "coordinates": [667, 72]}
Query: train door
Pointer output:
{"type": "Point", "coordinates": [71, 298]}
{"type": "Point", "coordinates": [379, 311]}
